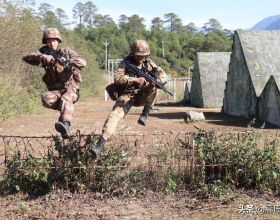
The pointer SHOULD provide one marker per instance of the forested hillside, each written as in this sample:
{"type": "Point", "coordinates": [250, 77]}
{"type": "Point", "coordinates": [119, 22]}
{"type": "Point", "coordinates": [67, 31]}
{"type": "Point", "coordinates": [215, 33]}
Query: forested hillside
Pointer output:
{"type": "Point", "coordinates": [173, 46]}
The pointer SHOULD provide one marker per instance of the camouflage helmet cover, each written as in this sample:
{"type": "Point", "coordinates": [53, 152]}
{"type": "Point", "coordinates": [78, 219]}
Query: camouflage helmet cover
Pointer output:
{"type": "Point", "coordinates": [141, 48]}
{"type": "Point", "coordinates": [51, 33]}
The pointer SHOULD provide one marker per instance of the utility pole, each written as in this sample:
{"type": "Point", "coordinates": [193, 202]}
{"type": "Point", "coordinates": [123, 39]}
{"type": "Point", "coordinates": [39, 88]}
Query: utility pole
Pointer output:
{"type": "Point", "coordinates": [106, 51]}
{"type": "Point", "coordinates": [162, 42]}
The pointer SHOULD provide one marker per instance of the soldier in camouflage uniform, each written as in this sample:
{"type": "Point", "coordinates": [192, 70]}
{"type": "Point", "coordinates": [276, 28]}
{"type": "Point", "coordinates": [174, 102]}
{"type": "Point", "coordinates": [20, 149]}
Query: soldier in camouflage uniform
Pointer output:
{"type": "Point", "coordinates": [62, 77]}
{"type": "Point", "coordinates": [131, 91]}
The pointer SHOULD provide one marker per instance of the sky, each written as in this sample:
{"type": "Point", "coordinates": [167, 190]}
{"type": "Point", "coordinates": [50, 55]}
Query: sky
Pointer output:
{"type": "Point", "coordinates": [232, 14]}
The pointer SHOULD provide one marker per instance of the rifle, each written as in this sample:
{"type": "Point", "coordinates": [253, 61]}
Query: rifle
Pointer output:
{"type": "Point", "coordinates": [57, 55]}
{"type": "Point", "coordinates": [147, 75]}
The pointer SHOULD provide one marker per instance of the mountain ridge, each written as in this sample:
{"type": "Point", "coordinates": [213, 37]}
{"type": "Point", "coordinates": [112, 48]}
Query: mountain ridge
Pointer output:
{"type": "Point", "coordinates": [268, 23]}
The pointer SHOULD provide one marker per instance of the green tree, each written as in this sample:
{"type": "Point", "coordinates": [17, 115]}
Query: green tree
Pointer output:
{"type": "Point", "coordinates": [123, 20]}
{"type": "Point", "coordinates": [44, 8]}
{"type": "Point", "coordinates": [190, 28]}
{"type": "Point", "coordinates": [62, 17]}
{"type": "Point", "coordinates": [228, 33]}
{"type": "Point", "coordinates": [212, 25]}
{"type": "Point", "coordinates": [157, 24]}
{"type": "Point", "coordinates": [132, 27]}
{"type": "Point", "coordinates": [50, 19]}
{"type": "Point", "coordinates": [216, 41]}
{"type": "Point", "coordinates": [47, 16]}
{"type": "Point", "coordinates": [119, 47]}
{"type": "Point", "coordinates": [78, 12]}
{"type": "Point", "coordinates": [135, 24]}
{"type": "Point", "coordinates": [175, 23]}
{"type": "Point", "coordinates": [103, 20]}
{"type": "Point", "coordinates": [90, 10]}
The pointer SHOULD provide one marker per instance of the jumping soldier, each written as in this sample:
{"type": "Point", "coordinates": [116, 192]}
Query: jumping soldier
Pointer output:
{"type": "Point", "coordinates": [129, 91]}
{"type": "Point", "coordinates": [62, 77]}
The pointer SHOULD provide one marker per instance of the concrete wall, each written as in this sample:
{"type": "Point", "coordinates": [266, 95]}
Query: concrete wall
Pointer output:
{"type": "Point", "coordinates": [269, 103]}
{"type": "Point", "coordinates": [209, 77]}
{"type": "Point", "coordinates": [252, 88]}
{"type": "Point", "coordinates": [240, 97]}
{"type": "Point", "coordinates": [187, 92]}
{"type": "Point", "coordinates": [196, 90]}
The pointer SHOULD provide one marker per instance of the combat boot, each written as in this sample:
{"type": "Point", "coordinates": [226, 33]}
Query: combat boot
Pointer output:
{"type": "Point", "coordinates": [144, 116]}
{"type": "Point", "coordinates": [63, 128]}
{"type": "Point", "coordinates": [95, 150]}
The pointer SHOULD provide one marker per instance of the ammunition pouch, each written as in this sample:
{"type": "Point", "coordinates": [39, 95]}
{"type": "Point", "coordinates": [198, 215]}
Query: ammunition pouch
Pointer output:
{"type": "Point", "coordinates": [78, 95]}
{"type": "Point", "coordinates": [59, 68]}
{"type": "Point", "coordinates": [115, 91]}
{"type": "Point", "coordinates": [77, 74]}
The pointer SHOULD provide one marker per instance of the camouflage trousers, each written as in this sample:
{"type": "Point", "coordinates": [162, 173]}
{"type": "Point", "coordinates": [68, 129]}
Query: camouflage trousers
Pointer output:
{"type": "Point", "coordinates": [122, 107]}
{"type": "Point", "coordinates": [61, 100]}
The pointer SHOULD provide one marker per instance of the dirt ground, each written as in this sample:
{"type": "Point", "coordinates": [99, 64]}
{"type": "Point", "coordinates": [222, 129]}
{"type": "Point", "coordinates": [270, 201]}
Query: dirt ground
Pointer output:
{"type": "Point", "coordinates": [90, 114]}
{"type": "Point", "coordinates": [89, 117]}
{"type": "Point", "coordinates": [65, 206]}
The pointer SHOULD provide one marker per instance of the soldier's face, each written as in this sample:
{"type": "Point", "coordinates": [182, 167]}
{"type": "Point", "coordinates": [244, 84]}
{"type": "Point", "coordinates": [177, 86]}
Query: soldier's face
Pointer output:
{"type": "Point", "coordinates": [52, 43]}
{"type": "Point", "coordinates": [139, 59]}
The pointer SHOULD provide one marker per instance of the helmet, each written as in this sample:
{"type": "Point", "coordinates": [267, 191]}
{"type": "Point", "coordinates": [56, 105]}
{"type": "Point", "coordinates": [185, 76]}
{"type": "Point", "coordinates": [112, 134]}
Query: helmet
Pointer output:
{"type": "Point", "coordinates": [51, 33]}
{"type": "Point", "coordinates": [140, 47]}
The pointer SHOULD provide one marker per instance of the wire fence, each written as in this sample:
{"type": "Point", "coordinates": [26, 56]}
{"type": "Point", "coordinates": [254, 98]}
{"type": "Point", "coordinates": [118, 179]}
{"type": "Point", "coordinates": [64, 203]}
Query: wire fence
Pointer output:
{"type": "Point", "coordinates": [141, 144]}
{"type": "Point", "coordinates": [159, 160]}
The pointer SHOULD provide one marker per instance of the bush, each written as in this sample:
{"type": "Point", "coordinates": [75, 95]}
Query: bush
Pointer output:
{"type": "Point", "coordinates": [215, 166]}
{"type": "Point", "coordinates": [30, 175]}
{"type": "Point", "coordinates": [242, 161]}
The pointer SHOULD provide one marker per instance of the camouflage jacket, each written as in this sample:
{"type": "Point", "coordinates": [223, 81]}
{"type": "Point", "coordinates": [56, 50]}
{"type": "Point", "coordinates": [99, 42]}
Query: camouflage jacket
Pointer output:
{"type": "Point", "coordinates": [58, 77]}
{"type": "Point", "coordinates": [123, 79]}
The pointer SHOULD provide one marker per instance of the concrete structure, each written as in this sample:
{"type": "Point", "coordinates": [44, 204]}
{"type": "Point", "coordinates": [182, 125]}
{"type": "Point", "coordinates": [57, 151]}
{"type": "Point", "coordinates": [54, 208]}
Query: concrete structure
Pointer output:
{"type": "Point", "coordinates": [187, 91]}
{"type": "Point", "coordinates": [254, 59]}
{"type": "Point", "coordinates": [269, 102]}
{"type": "Point", "coordinates": [209, 77]}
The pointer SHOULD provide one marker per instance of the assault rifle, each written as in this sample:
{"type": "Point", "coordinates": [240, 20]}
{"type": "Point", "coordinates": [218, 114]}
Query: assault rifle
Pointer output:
{"type": "Point", "coordinates": [147, 75]}
{"type": "Point", "coordinates": [57, 55]}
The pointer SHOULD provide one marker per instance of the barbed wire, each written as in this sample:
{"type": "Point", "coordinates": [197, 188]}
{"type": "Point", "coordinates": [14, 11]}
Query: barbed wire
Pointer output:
{"type": "Point", "coordinates": [144, 146]}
